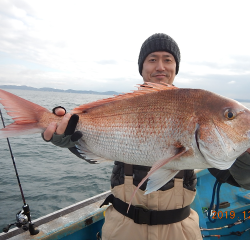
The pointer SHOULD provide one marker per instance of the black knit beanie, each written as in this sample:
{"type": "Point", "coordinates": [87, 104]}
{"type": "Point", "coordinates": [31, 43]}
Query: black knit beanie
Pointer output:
{"type": "Point", "coordinates": [159, 42]}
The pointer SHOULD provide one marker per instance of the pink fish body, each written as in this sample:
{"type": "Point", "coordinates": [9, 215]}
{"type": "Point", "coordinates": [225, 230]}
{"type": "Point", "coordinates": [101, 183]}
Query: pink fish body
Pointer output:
{"type": "Point", "coordinates": [161, 126]}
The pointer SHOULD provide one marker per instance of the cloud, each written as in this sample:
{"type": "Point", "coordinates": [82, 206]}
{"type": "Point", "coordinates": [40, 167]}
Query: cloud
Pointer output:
{"type": "Point", "coordinates": [233, 67]}
{"type": "Point", "coordinates": [217, 83]}
{"type": "Point", "coordinates": [104, 62]}
{"type": "Point", "coordinates": [42, 44]}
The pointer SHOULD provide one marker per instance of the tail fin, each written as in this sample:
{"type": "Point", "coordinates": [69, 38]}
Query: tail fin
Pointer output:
{"type": "Point", "coordinates": [26, 115]}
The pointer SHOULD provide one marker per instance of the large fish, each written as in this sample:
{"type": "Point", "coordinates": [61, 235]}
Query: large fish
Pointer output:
{"type": "Point", "coordinates": [158, 125]}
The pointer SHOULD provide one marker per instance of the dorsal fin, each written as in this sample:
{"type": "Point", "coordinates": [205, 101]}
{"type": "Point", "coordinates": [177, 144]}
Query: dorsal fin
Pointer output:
{"type": "Point", "coordinates": [143, 89]}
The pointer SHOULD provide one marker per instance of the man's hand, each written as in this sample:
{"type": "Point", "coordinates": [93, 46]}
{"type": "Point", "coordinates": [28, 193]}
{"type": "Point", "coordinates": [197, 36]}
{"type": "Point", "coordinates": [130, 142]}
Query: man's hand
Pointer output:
{"type": "Point", "coordinates": [64, 134]}
{"type": "Point", "coordinates": [53, 128]}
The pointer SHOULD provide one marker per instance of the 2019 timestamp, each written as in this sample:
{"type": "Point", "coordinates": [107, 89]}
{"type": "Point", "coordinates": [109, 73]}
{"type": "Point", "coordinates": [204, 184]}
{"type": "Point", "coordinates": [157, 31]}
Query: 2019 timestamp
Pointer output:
{"type": "Point", "coordinates": [227, 214]}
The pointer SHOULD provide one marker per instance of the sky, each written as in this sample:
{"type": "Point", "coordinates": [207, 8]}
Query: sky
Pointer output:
{"type": "Point", "coordinates": [94, 45]}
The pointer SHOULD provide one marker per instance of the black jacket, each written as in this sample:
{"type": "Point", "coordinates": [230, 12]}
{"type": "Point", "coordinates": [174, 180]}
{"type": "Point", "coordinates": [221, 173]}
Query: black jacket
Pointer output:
{"type": "Point", "coordinates": [139, 172]}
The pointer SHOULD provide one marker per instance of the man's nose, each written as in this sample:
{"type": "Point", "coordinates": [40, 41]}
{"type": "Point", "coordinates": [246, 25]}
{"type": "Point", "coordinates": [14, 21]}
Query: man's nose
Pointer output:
{"type": "Point", "coordinates": [160, 66]}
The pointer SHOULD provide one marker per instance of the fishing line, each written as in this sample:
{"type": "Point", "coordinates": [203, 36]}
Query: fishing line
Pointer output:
{"type": "Point", "coordinates": [23, 217]}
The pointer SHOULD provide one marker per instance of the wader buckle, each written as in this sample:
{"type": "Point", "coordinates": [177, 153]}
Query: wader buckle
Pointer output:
{"type": "Point", "coordinates": [142, 215]}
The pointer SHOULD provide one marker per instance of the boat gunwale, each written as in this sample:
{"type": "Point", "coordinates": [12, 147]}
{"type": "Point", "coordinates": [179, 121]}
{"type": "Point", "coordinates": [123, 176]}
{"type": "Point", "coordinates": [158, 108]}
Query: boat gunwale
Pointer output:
{"type": "Point", "coordinates": [54, 215]}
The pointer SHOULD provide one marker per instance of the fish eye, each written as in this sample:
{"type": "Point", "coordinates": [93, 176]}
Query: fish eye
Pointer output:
{"type": "Point", "coordinates": [229, 114]}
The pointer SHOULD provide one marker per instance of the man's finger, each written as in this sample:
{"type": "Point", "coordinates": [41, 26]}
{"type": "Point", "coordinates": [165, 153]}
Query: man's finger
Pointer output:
{"type": "Point", "coordinates": [48, 133]}
{"type": "Point", "coordinates": [59, 111]}
{"type": "Point", "coordinates": [63, 124]}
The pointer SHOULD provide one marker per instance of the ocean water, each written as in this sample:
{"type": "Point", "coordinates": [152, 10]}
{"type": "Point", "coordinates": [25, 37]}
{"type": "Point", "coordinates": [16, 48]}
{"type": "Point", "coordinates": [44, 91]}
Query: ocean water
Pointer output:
{"type": "Point", "coordinates": [52, 178]}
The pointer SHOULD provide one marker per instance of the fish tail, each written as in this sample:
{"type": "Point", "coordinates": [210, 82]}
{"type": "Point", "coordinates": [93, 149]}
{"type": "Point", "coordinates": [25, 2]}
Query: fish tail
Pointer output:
{"type": "Point", "coordinates": [26, 115]}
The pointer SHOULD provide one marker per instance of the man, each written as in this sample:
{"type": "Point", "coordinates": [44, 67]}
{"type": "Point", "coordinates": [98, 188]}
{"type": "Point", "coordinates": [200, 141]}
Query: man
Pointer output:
{"type": "Point", "coordinates": [159, 61]}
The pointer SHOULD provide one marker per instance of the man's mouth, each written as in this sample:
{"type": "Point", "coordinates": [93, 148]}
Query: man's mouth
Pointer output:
{"type": "Point", "coordinates": [159, 75]}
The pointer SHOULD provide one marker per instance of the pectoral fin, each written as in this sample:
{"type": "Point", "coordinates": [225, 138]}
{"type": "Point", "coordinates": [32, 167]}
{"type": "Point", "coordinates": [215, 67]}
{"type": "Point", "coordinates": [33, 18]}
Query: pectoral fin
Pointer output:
{"type": "Point", "coordinates": [159, 178]}
{"type": "Point", "coordinates": [155, 167]}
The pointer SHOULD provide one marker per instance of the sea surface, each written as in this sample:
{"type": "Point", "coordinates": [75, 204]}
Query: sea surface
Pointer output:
{"type": "Point", "coordinates": [51, 177]}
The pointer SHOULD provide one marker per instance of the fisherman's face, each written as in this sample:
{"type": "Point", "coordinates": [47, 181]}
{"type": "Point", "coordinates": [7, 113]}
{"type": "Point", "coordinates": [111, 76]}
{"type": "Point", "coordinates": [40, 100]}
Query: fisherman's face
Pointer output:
{"type": "Point", "coordinates": [159, 67]}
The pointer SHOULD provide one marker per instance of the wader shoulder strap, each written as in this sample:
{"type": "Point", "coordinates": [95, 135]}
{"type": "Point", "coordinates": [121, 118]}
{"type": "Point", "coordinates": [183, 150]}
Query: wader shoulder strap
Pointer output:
{"type": "Point", "coordinates": [142, 215]}
{"type": "Point", "coordinates": [180, 174]}
{"type": "Point", "coordinates": [128, 169]}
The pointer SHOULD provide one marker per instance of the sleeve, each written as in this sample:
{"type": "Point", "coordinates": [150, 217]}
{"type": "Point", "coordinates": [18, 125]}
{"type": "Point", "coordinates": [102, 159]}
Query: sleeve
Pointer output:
{"type": "Point", "coordinates": [240, 170]}
{"type": "Point", "coordinates": [223, 176]}
{"type": "Point", "coordinates": [237, 175]}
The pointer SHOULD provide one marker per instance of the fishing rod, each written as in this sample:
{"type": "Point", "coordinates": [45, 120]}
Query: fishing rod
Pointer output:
{"type": "Point", "coordinates": [23, 217]}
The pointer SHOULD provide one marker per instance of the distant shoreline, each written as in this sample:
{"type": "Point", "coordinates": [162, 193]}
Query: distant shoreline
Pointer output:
{"type": "Point", "coordinates": [47, 89]}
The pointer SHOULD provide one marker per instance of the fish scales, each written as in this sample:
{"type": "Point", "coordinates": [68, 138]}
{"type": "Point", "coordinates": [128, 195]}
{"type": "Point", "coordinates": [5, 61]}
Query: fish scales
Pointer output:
{"type": "Point", "coordinates": [143, 131]}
